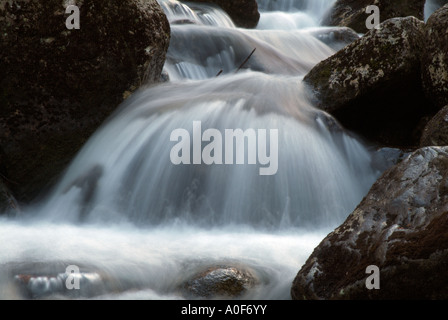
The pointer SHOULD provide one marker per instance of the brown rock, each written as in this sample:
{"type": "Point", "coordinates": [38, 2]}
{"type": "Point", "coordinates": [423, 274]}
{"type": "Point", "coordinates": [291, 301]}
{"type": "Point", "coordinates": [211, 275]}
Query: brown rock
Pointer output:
{"type": "Point", "coordinates": [401, 226]}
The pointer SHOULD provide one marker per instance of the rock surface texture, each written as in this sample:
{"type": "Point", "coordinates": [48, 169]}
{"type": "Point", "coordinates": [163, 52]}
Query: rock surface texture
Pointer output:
{"type": "Point", "coordinates": [401, 226]}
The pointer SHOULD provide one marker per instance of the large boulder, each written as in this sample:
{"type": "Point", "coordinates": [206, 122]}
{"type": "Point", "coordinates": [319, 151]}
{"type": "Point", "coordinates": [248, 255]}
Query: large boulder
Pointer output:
{"type": "Point", "coordinates": [373, 86]}
{"type": "Point", "coordinates": [244, 13]}
{"type": "Point", "coordinates": [58, 85]}
{"type": "Point", "coordinates": [352, 13]}
{"type": "Point", "coordinates": [435, 58]}
{"type": "Point", "coordinates": [401, 227]}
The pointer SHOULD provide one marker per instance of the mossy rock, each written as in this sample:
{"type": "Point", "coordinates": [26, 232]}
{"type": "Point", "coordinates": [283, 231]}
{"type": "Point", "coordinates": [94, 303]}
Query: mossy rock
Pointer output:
{"type": "Point", "coordinates": [373, 85]}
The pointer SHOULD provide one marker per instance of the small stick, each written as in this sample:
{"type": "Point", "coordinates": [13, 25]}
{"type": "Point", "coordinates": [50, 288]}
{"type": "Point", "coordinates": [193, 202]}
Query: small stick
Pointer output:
{"type": "Point", "coordinates": [242, 65]}
{"type": "Point", "coordinates": [245, 61]}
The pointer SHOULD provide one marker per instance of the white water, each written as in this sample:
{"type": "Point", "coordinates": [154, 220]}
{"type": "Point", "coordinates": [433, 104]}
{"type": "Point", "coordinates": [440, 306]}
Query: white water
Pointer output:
{"type": "Point", "coordinates": [123, 212]}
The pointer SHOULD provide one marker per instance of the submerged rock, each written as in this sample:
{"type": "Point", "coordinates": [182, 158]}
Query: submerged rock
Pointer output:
{"type": "Point", "coordinates": [220, 282]}
{"type": "Point", "coordinates": [373, 85]}
{"type": "Point", "coordinates": [401, 227]}
{"type": "Point", "coordinates": [244, 13]}
{"type": "Point", "coordinates": [352, 14]}
{"type": "Point", "coordinates": [435, 58]}
{"type": "Point", "coordinates": [58, 85]}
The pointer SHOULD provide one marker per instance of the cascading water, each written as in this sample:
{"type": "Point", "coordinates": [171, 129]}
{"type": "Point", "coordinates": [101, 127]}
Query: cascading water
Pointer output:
{"type": "Point", "coordinates": [140, 226]}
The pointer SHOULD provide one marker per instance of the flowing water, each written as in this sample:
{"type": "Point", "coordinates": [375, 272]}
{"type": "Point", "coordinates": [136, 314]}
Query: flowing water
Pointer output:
{"type": "Point", "coordinates": [139, 226]}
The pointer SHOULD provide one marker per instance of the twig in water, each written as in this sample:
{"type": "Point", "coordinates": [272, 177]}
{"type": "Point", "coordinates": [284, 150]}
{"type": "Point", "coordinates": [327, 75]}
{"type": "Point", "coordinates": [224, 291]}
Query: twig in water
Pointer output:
{"type": "Point", "coordinates": [242, 65]}
{"type": "Point", "coordinates": [245, 61]}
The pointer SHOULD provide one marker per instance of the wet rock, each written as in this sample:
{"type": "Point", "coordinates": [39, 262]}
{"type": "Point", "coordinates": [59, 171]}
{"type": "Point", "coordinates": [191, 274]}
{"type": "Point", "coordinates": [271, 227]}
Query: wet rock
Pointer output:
{"type": "Point", "coordinates": [435, 58]}
{"type": "Point", "coordinates": [373, 85]}
{"type": "Point", "coordinates": [244, 13]}
{"type": "Point", "coordinates": [435, 132]}
{"type": "Point", "coordinates": [220, 282]}
{"type": "Point", "coordinates": [401, 227]}
{"type": "Point", "coordinates": [58, 85]}
{"type": "Point", "coordinates": [352, 14]}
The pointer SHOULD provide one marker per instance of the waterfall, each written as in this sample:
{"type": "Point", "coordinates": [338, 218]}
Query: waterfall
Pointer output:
{"type": "Point", "coordinates": [292, 14]}
{"type": "Point", "coordinates": [127, 214]}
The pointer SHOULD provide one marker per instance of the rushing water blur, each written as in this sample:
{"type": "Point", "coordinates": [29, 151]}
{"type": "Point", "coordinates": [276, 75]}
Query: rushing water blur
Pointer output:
{"type": "Point", "coordinates": [139, 226]}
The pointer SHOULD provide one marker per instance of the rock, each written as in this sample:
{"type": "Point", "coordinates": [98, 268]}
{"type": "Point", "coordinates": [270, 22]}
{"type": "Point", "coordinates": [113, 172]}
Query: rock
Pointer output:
{"type": "Point", "coordinates": [435, 132]}
{"type": "Point", "coordinates": [401, 227]}
{"type": "Point", "coordinates": [8, 204]}
{"type": "Point", "coordinates": [373, 85]}
{"type": "Point", "coordinates": [220, 281]}
{"type": "Point", "coordinates": [244, 13]}
{"type": "Point", "coordinates": [352, 14]}
{"type": "Point", "coordinates": [435, 58]}
{"type": "Point", "coordinates": [59, 85]}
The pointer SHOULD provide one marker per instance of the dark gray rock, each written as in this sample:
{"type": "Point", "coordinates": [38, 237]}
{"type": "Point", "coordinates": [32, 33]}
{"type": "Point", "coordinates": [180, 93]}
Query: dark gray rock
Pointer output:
{"type": "Point", "coordinates": [401, 226]}
{"type": "Point", "coordinates": [59, 85]}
